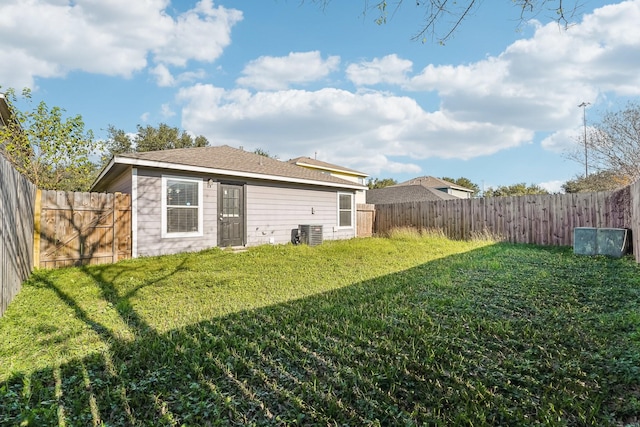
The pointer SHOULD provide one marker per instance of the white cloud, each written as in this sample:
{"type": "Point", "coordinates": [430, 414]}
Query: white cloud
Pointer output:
{"type": "Point", "coordinates": [40, 38]}
{"type": "Point", "coordinates": [163, 76]}
{"type": "Point", "coordinates": [536, 83]}
{"type": "Point", "coordinates": [276, 73]}
{"type": "Point", "coordinates": [199, 34]}
{"type": "Point", "coordinates": [564, 140]}
{"type": "Point", "coordinates": [166, 111]}
{"type": "Point", "coordinates": [388, 69]}
{"type": "Point", "coordinates": [500, 102]}
{"type": "Point", "coordinates": [367, 126]}
{"type": "Point", "coordinates": [553, 186]}
{"type": "Point", "coordinates": [491, 105]}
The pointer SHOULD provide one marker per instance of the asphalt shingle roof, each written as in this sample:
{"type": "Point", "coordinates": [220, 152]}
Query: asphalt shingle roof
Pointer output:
{"type": "Point", "coordinates": [431, 182]}
{"type": "Point", "coordinates": [234, 160]}
{"type": "Point", "coordinates": [406, 193]}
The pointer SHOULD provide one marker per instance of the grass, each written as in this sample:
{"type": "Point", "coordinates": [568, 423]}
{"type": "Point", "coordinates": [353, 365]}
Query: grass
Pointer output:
{"type": "Point", "coordinates": [410, 330]}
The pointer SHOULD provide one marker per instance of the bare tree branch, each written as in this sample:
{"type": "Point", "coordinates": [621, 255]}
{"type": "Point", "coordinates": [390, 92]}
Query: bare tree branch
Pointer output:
{"type": "Point", "coordinates": [441, 29]}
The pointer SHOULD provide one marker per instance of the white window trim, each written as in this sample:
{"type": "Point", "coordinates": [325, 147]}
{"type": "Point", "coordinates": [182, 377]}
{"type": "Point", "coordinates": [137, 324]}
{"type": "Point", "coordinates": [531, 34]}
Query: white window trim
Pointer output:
{"type": "Point", "coordinates": [163, 197]}
{"type": "Point", "coordinates": [353, 211]}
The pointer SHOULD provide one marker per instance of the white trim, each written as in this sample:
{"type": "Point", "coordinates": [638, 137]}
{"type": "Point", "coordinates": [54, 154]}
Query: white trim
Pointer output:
{"type": "Point", "coordinates": [353, 209]}
{"type": "Point", "coordinates": [134, 212]}
{"type": "Point", "coordinates": [163, 203]}
{"type": "Point", "coordinates": [104, 171]}
{"type": "Point", "coordinates": [224, 172]}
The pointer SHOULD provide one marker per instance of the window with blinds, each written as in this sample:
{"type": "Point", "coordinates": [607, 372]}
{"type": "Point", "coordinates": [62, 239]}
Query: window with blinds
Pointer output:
{"type": "Point", "coordinates": [345, 210]}
{"type": "Point", "coordinates": [182, 206]}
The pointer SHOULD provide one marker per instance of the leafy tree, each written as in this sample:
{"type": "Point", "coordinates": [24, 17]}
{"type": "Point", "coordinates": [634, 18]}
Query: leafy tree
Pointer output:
{"type": "Point", "coordinates": [520, 189]}
{"type": "Point", "coordinates": [373, 183]}
{"type": "Point", "coordinates": [614, 143]}
{"type": "Point", "coordinates": [599, 181]}
{"type": "Point", "coordinates": [52, 151]}
{"type": "Point", "coordinates": [464, 182]}
{"type": "Point", "coordinates": [262, 152]}
{"type": "Point", "coordinates": [118, 142]}
{"type": "Point", "coordinates": [149, 138]}
{"type": "Point", "coordinates": [165, 137]}
{"type": "Point", "coordinates": [443, 17]}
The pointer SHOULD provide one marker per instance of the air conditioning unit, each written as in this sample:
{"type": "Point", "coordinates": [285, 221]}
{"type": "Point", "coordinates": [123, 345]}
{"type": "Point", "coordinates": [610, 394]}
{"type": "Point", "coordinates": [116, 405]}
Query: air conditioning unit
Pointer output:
{"type": "Point", "coordinates": [612, 242]}
{"type": "Point", "coordinates": [310, 234]}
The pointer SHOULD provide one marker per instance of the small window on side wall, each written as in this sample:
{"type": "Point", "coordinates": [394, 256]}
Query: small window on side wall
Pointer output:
{"type": "Point", "coordinates": [345, 210]}
{"type": "Point", "coordinates": [181, 207]}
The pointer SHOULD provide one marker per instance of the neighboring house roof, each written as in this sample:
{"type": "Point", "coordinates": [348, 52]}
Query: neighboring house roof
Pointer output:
{"type": "Point", "coordinates": [431, 182]}
{"type": "Point", "coordinates": [406, 193]}
{"type": "Point", "coordinates": [317, 164]}
{"type": "Point", "coordinates": [221, 160]}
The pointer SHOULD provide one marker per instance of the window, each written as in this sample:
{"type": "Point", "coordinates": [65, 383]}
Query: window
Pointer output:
{"type": "Point", "coordinates": [181, 207]}
{"type": "Point", "coordinates": [345, 209]}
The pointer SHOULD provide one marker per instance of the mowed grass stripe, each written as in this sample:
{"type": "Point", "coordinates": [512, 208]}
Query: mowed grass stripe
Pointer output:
{"type": "Point", "coordinates": [409, 330]}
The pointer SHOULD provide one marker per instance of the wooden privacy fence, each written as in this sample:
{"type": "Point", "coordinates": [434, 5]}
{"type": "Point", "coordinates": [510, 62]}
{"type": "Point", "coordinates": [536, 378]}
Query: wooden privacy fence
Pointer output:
{"type": "Point", "coordinates": [365, 216]}
{"type": "Point", "coordinates": [536, 219]}
{"type": "Point", "coordinates": [17, 198]}
{"type": "Point", "coordinates": [81, 228]}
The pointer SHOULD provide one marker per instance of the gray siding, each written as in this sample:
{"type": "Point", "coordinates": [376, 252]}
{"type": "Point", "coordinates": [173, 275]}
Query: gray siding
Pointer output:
{"type": "Point", "coordinates": [149, 238]}
{"type": "Point", "coordinates": [273, 211]}
{"type": "Point", "coordinates": [122, 184]}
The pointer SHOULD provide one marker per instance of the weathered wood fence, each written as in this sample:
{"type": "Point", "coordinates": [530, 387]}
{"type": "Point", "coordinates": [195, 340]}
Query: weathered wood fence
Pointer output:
{"type": "Point", "coordinates": [536, 219]}
{"type": "Point", "coordinates": [75, 228]}
{"type": "Point", "coordinates": [51, 229]}
{"type": "Point", "coordinates": [17, 198]}
{"type": "Point", "coordinates": [634, 193]}
{"type": "Point", "coordinates": [365, 217]}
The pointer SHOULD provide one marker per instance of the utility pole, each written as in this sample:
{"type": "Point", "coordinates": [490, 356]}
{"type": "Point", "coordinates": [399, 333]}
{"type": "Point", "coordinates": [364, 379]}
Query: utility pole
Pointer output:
{"type": "Point", "coordinates": [584, 121]}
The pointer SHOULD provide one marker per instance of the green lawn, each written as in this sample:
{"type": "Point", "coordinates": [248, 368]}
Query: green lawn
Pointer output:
{"type": "Point", "coordinates": [400, 331]}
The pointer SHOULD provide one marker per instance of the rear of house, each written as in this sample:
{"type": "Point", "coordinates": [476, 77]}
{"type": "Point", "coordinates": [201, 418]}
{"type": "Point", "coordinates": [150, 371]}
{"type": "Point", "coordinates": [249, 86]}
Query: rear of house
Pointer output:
{"type": "Point", "coordinates": [337, 171]}
{"type": "Point", "coordinates": [196, 198]}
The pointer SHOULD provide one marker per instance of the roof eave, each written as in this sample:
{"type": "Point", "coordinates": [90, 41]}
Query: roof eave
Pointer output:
{"type": "Point", "coordinates": [104, 172]}
{"type": "Point", "coordinates": [199, 169]}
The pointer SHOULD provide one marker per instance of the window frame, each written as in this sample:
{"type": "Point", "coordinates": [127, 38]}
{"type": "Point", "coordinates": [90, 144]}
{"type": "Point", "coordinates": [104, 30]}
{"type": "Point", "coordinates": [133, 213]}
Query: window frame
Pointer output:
{"type": "Point", "coordinates": [351, 210]}
{"type": "Point", "coordinates": [164, 206]}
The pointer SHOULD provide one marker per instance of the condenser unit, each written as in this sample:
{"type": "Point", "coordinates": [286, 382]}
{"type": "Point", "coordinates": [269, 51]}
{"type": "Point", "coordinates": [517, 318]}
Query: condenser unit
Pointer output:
{"type": "Point", "coordinates": [614, 242]}
{"type": "Point", "coordinates": [310, 234]}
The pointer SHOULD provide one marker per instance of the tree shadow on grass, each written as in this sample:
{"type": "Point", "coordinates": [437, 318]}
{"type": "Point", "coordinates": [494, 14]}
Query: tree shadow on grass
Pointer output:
{"type": "Point", "coordinates": [437, 344]}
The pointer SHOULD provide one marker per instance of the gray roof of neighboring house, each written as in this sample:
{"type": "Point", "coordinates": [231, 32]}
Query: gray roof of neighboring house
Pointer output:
{"type": "Point", "coordinates": [431, 182]}
{"type": "Point", "coordinates": [406, 193]}
{"type": "Point", "coordinates": [300, 161]}
{"type": "Point", "coordinates": [220, 160]}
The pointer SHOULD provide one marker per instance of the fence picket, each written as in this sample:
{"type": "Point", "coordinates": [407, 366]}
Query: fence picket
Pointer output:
{"type": "Point", "coordinates": [84, 228]}
{"type": "Point", "coordinates": [537, 219]}
{"type": "Point", "coordinates": [17, 199]}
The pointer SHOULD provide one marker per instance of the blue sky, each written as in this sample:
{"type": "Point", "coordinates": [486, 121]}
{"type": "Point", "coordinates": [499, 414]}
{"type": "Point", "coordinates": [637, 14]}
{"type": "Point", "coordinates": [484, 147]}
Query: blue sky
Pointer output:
{"type": "Point", "coordinates": [498, 103]}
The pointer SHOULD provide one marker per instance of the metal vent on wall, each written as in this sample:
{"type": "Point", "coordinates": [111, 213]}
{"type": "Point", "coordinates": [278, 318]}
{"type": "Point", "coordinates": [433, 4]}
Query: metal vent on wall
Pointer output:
{"type": "Point", "coordinates": [310, 234]}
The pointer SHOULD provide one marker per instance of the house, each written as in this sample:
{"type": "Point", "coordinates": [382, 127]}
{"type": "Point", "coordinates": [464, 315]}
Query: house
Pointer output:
{"type": "Point", "coordinates": [195, 198]}
{"type": "Point", "coordinates": [440, 185]}
{"type": "Point", "coordinates": [335, 170]}
{"type": "Point", "coordinates": [406, 193]}
{"type": "Point", "coordinates": [421, 189]}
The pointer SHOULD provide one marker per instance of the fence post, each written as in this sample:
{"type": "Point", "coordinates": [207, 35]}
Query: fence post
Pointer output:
{"type": "Point", "coordinates": [37, 213]}
{"type": "Point", "coordinates": [114, 228]}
